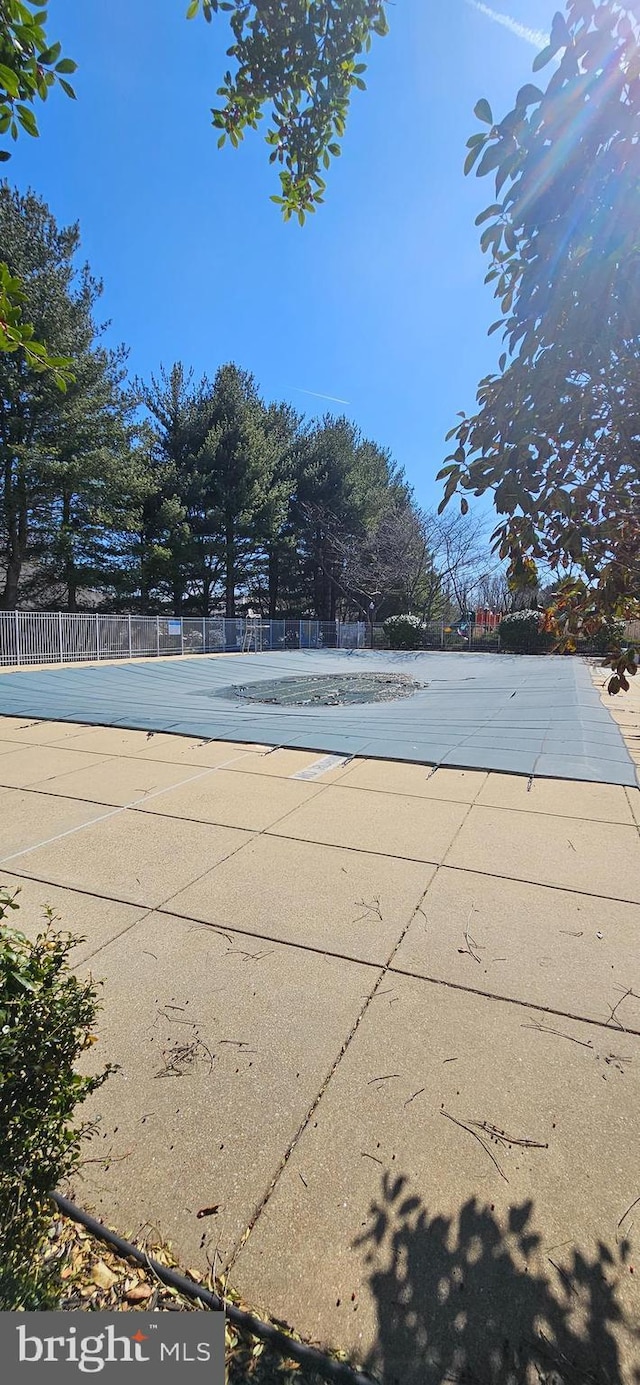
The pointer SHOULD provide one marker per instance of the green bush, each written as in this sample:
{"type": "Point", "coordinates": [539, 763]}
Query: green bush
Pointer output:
{"type": "Point", "coordinates": [47, 1017]}
{"type": "Point", "coordinates": [404, 632]}
{"type": "Point", "coordinates": [521, 632]}
{"type": "Point", "coordinates": [609, 637]}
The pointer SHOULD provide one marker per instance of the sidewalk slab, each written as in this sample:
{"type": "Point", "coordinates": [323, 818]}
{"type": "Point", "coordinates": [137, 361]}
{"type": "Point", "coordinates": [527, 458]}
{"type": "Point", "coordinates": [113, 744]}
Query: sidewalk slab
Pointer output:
{"type": "Point", "coordinates": [29, 764]}
{"type": "Point", "coordinates": [416, 1250]}
{"type": "Point", "coordinates": [97, 921]}
{"type": "Point", "coordinates": [285, 764]}
{"type": "Point", "coordinates": [114, 782]}
{"type": "Point", "coordinates": [234, 799]}
{"type": "Point", "coordinates": [27, 819]}
{"type": "Point", "coordinates": [223, 1046]}
{"type": "Point", "coordinates": [596, 857]}
{"type": "Point", "coordinates": [361, 819]}
{"type": "Point", "coordinates": [26, 730]}
{"type": "Point", "coordinates": [138, 858]}
{"type": "Point", "coordinates": [561, 951]}
{"type": "Point", "coordinates": [392, 776]}
{"type": "Point", "coordinates": [321, 897]}
{"type": "Point", "coordinates": [557, 797]}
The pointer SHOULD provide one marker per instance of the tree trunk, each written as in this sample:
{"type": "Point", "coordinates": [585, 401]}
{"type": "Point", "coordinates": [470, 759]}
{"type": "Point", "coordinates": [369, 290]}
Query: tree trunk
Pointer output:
{"type": "Point", "coordinates": [144, 576]}
{"type": "Point", "coordinates": [9, 599]}
{"type": "Point", "coordinates": [333, 594]}
{"type": "Point", "coordinates": [70, 576]}
{"type": "Point", "coordinates": [12, 549]}
{"type": "Point", "coordinates": [230, 572]}
{"type": "Point", "coordinates": [274, 580]}
{"type": "Point", "coordinates": [15, 506]}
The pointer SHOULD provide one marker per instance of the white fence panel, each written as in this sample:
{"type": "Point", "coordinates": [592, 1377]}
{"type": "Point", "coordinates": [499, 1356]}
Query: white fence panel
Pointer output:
{"type": "Point", "coordinates": [352, 635]}
{"type": "Point", "coordinates": [35, 637]}
{"type": "Point", "coordinates": [79, 637]}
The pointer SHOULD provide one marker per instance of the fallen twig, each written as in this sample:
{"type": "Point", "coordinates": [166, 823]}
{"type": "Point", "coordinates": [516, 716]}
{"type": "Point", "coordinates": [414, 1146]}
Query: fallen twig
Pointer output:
{"type": "Point", "coordinates": [471, 942]}
{"type": "Point", "coordinates": [612, 1017]}
{"type": "Point", "coordinates": [563, 1275]}
{"type": "Point", "coordinates": [373, 908]}
{"type": "Point", "coordinates": [507, 1140]}
{"type": "Point", "coordinates": [548, 1029]}
{"type": "Point", "coordinates": [626, 1214]}
{"type": "Point", "coordinates": [477, 1137]}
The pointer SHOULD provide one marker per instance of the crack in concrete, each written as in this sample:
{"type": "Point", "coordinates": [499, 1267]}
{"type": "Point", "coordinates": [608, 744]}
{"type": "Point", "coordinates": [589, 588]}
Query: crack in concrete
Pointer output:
{"type": "Point", "coordinates": [385, 970]}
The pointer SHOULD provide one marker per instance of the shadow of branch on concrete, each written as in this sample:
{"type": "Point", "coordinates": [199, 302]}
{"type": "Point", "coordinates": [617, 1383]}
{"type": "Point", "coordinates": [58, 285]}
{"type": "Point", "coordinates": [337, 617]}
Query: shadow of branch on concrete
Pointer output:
{"type": "Point", "coordinates": [472, 1299]}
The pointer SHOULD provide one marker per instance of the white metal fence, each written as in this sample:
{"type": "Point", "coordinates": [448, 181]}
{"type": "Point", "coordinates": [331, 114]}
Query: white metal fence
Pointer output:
{"type": "Point", "coordinates": [42, 637]}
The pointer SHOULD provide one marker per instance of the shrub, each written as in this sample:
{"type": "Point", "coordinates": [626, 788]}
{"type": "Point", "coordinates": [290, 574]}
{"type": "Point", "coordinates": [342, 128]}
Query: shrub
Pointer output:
{"type": "Point", "coordinates": [521, 632]}
{"type": "Point", "coordinates": [47, 1017]}
{"type": "Point", "coordinates": [610, 636]}
{"type": "Point", "coordinates": [404, 632]}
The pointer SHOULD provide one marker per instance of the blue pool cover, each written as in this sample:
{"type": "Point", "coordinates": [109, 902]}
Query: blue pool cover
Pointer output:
{"type": "Point", "coordinates": [522, 715]}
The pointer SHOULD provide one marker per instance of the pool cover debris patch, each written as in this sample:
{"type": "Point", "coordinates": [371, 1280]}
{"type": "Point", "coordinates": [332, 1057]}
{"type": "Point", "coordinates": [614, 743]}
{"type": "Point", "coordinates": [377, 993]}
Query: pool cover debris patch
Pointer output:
{"type": "Point", "coordinates": [324, 690]}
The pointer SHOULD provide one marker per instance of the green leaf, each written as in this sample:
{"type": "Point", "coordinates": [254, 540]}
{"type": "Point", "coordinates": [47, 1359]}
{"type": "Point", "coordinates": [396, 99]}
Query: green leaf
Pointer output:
{"type": "Point", "coordinates": [471, 158]}
{"type": "Point", "coordinates": [482, 111]}
{"type": "Point", "coordinates": [193, 9]}
{"type": "Point", "coordinates": [66, 65]}
{"type": "Point", "coordinates": [66, 87]}
{"type": "Point", "coordinates": [27, 120]}
{"type": "Point", "coordinates": [528, 95]}
{"type": "Point", "coordinates": [493, 210]}
{"type": "Point", "coordinates": [4, 155]}
{"type": "Point", "coordinates": [50, 55]}
{"type": "Point", "coordinates": [542, 58]}
{"type": "Point", "coordinates": [9, 81]}
{"type": "Point", "coordinates": [490, 159]}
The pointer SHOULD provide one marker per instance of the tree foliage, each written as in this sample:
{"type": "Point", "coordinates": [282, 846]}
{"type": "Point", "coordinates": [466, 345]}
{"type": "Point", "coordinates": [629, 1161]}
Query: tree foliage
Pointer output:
{"type": "Point", "coordinates": [193, 495]}
{"type": "Point", "coordinates": [301, 62]}
{"type": "Point", "coordinates": [61, 454]}
{"type": "Point", "coordinates": [556, 434]}
{"type": "Point", "coordinates": [30, 66]}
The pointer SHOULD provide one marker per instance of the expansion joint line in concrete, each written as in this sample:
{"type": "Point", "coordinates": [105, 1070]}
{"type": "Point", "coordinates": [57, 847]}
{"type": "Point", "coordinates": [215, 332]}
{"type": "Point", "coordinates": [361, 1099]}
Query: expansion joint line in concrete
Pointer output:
{"type": "Point", "coordinates": [115, 812]}
{"type": "Point", "coordinates": [384, 972]}
{"type": "Point", "coordinates": [161, 907]}
{"type": "Point", "coordinates": [241, 1242]}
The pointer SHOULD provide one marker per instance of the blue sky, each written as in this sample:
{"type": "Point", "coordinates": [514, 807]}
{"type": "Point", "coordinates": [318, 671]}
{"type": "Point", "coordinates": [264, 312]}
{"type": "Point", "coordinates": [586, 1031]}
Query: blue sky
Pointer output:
{"type": "Point", "coordinates": [378, 300]}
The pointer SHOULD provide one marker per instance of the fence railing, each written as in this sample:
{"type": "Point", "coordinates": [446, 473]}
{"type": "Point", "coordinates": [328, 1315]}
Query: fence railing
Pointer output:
{"type": "Point", "coordinates": [43, 637]}
{"type": "Point", "coordinates": [56, 637]}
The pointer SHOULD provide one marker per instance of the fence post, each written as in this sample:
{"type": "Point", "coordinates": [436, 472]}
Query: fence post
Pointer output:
{"type": "Point", "coordinates": [97, 637]}
{"type": "Point", "coordinates": [470, 636]}
{"type": "Point", "coordinates": [181, 634]}
{"type": "Point", "coordinates": [204, 635]}
{"type": "Point", "coordinates": [130, 650]}
{"type": "Point", "coordinates": [158, 636]}
{"type": "Point", "coordinates": [442, 632]}
{"type": "Point", "coordinates": [299, 634]}
{"type": "Point", "coordinates": [60, 635]}
{"type": "Point", "coordinates": [17, 625]}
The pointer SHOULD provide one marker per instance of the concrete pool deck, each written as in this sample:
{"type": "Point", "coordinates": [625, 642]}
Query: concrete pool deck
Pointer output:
{"type": "Point", "coordinates": [530, 716]}
{"type": "Point", "coordinates": [385, 1021]}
